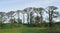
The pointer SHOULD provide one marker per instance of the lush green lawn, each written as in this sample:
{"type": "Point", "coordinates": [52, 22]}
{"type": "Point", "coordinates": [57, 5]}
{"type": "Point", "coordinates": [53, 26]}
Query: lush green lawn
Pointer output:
{"type": "Point", "coordinates": [23, 30]}
{"type": "Point", "coordinates": [12, 30]}
{"type": "Point", "coordinates": [6, 28]}
{"type": "Point", "coordinates": [34, 30]}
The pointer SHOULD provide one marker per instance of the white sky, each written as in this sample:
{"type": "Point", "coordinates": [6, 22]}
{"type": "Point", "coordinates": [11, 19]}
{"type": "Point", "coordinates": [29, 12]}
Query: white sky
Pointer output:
{"type": "Point", "coordinates": [8, 5]}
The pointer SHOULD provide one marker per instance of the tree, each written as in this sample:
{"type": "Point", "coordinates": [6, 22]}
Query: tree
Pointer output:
{"type": "Point", "coordinates": [31, 17]}
{"type": "Point", "coordinates": [40, 11]}
{"type": "Point", "coordinates": [51, 12]}
{"type": "Point", "coordinates": [11, 16]}
{"type": "Point", "coordinates": [23, 12]}
{"type": "Point", "coordinates": [37, 19]}
{"type": "Point", "coordinates": [28, 11]}
{"type": "Point", "coordinates": [36, 11]}
{"type": "Point", "coordinates": [18, 13]}
{"type": "Point", "coordinates": [2, 14]}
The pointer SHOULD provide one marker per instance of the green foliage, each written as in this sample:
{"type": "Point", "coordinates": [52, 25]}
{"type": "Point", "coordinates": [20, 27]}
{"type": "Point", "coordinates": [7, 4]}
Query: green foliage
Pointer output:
{"type": "Point", "coordinates": [8, 25]}
{"type": "Point", "coordinates": [37, 19]}
{"type": "Point", "coordinates": [45, 24]}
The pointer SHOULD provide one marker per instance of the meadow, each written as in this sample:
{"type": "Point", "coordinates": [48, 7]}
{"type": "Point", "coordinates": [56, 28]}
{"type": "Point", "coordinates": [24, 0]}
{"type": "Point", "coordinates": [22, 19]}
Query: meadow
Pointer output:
{"type": "Point", "coordinates": [18, 28]}
{"type": "Point", "coordinates": [6, 28]}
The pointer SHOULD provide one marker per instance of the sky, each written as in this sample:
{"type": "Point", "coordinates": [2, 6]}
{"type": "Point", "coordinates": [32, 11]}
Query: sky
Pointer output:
{"type": "Point", "coordinates": [13, 5]}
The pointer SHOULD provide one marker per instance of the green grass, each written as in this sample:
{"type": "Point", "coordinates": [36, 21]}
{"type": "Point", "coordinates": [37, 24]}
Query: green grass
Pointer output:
{"type": "Point", "coordinates": [19, 28]}
{"type": "Point", "coordinates": [23, 30]}
{"type": "Point", "coordinates": [34, 30]}
{"type": "Point", "coordinates": [13, 30]}
{"type": "Point", "coordinates": [7, 26]}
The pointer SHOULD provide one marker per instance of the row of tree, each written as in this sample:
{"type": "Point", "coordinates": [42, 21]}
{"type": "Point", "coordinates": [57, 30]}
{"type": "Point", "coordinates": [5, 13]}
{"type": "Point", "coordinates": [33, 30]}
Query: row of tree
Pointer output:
{"type": "Point", "coordinates": [31, 18]}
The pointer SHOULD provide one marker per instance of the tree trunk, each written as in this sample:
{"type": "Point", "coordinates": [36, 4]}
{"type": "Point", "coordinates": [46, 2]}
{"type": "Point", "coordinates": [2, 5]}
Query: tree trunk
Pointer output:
{"type": "Point", "coordinates": [18, 17]}
{"type": "Point", "coordinates": [1, 22]}
{"type": "Point", "coordinates": [12, 22]}
{"type": "Point", "coordinates": [50, 18]}
{"type": "Point", "coordinates": [28, 18]}
{"type": "Point", "coordinates": [41, 19]}
{"type": "Point", "coordinates": [50, 21]}
{"type": "Point", "coordinates": [23, 18]}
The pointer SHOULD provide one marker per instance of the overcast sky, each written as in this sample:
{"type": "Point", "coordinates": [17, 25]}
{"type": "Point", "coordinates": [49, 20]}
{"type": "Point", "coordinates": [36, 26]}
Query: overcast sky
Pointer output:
{"type": "Point", "coordinates": [8, 5]}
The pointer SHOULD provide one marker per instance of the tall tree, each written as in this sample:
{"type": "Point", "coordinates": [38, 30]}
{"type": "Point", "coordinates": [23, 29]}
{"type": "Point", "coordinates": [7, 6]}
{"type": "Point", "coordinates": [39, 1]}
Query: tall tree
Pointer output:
{"type": "Point", "coordinates": [51, 12]}
{"type": "Point", "coordinates": [31, 17]}
{"type": "Point", "coordinates": [37, 19]}
{"type": "Point", "coordinates": [2, 14]}
{"type": "Point", "coordinates": [41, 10]}
{"type": "Point", "coordinates": [18, 14]}
{"type": "Point", "coordinates": [36, 11]}
{"type": "Point", "coordinates": [23, 12]}
{"type": "Point", "coordinates": [10, 15]}
{"type": "Point", "coordinates": [28, 10]}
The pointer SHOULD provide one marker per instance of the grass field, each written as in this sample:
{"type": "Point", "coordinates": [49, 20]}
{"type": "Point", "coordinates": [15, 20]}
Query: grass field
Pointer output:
{"type": "Point", "coordinates": [6, 28]}
{"type": "Point", "coordinates": [23, 29]}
